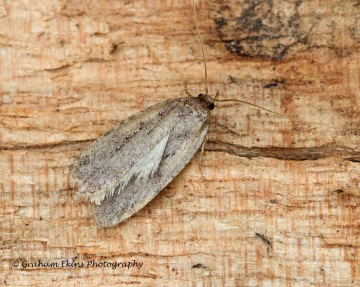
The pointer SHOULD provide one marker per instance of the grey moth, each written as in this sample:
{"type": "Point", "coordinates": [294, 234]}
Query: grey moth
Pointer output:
{"type": "Point", "coordinates": [128, 166]}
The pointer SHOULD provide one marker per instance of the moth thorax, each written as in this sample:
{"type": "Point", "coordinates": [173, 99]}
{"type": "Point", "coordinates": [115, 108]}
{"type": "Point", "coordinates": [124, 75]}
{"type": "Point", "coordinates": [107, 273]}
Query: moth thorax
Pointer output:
{"type": "Point", "coordinates": [208, 100]}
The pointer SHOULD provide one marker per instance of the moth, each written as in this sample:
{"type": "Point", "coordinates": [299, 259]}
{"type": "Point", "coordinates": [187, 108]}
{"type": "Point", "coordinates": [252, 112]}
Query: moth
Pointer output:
{"type": "Point", "coordinates": [127, 167]}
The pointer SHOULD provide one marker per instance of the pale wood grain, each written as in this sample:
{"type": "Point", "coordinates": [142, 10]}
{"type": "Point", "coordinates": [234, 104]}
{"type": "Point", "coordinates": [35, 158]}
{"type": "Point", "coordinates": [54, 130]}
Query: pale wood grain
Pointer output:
{"type": "Point", "coordinates": [277, 202]}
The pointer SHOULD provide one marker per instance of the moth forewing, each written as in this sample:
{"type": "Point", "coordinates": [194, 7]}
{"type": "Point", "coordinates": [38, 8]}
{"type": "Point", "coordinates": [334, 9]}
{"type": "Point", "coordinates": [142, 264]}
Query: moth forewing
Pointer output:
{"type": "Point", "coordinates": [170, 145]}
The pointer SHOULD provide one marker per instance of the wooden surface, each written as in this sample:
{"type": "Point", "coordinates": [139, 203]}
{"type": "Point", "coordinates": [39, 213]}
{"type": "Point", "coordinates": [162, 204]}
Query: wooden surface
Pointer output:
{"type": "Point", "coordinates": [277, 202]}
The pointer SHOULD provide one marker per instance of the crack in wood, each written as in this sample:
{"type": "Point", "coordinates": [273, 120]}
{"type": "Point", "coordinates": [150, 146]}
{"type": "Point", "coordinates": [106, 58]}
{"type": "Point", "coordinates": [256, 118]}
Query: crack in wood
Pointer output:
{"type": "Point", "coordinates": [312, 153]}
{"type": "Point", "coordinates": [299, 154]}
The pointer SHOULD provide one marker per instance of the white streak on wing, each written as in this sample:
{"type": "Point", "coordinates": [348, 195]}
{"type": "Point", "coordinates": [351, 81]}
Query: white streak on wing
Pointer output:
{"type": "Point", "coordinates": [145, 167]}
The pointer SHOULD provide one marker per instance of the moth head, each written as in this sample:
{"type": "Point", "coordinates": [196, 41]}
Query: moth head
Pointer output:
{"type": "Point", "coordinates": [208, 100]}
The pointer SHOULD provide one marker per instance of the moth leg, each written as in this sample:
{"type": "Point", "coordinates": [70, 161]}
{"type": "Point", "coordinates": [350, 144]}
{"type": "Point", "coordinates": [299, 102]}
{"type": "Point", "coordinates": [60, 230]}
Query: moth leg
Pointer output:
{"type": "Point", "coordinates": [186, 90]}
{"type": "Point", "coordinates": [201, 154]}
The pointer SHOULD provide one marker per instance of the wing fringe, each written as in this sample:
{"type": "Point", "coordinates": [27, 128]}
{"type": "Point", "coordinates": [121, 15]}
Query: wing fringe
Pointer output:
{"type": "Point", "coordinates": [144, 168]}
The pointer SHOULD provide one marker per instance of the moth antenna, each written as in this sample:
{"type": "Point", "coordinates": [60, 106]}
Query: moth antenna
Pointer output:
{"type": "Point", "coordinates": [261, 108]}
{"type": "Point", "coordinates": [256, 106]}
{"type": "Point", "coordinates": [267, 110]}
{"type": "Point", "coordinates": [201, 46]}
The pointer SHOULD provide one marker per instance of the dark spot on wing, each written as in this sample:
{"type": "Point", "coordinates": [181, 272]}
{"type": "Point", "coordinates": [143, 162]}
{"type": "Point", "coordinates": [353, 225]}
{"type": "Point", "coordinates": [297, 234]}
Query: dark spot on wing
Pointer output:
{"type": "Point", "coordinates": [84, 160]}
